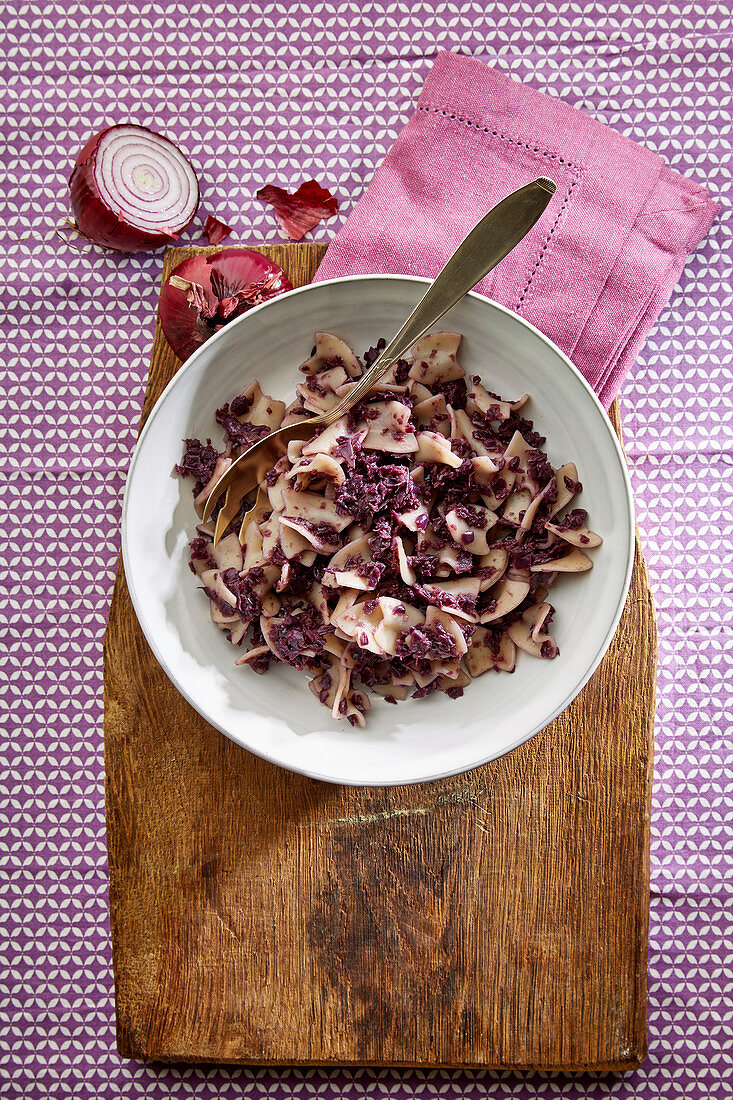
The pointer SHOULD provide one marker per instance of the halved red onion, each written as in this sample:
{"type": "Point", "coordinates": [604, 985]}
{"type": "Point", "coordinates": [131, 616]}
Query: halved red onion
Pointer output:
{"type": "Point", "coordinates": [132, 189]}
{"type": "Point", "coordinates": [204, 293]}
{"type": "Point", "coordinates": [301, 211]}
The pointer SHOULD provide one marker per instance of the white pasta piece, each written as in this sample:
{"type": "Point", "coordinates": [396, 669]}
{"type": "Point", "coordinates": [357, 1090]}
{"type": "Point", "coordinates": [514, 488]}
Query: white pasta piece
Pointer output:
{"type": "Point", "coordinates": [270, 575]}
{"type": "Point", "coordinates": [385, 384]}
{"type": "Point", "coordinates": [220, 618]}
{"type": "Point", "coordinates": [432, 414]}
{"type": "Point", "coordinates": [314, 508]}
{"type": "Point", "coordinates": [534, 505]}
{"type": "Point", "coordinates": [317, 597]}
{"type": "Point", "coordinates": [292, 542]}
{"type": "Point", "coordinates": [253, 654]}
{"type": "Point", "coordinates": [227, 553]}
{"type": "Point", "coordinates": [324, 684]}
{"type": "Point", "coordinates": [268, 411]}
{"type": "Point", "coordinates": [508, 594]}
{"type": "Point", "coordinates": [286, 577]}
{"type": "Point", "coordinates": [423, 678]}
{"type": "Point", "coordinates": [407, 573]}
{"type": "Point", "coordinates": [295, 414]}
{"type": "Point", "coordinates": [467, 535]}
{"type": "Point", "coordinates": [481, 657]}
{"type": "Point", "coordinates": [360, 625]}
{"type": "Point", "coordinates": [270, 529]}
{"type": "Point", "coordinates": [212, 579]}
{"type": "Point", "coordinates": [338, 576]}
{"type": "Point", "coordinates": [463, 586]}
{"type": "Point", "coordinates": [485, 470]}
{"type": "Point", "coordinates": [264, 410]}
{"type": "Point", "coordinates": [448, 559]}
{"type": "Point", "coordinates": [238, 632]}
{"type": "Point", "coordinates": [202, 565]}
{"type": "Point", "coordinates": [317, 466]}
{"type": "Point", "coordinates": [574, 562]}
{"type": "Point", "coordinates": [349, 655]}
{"type": "Point", "coordinates": [525, 632]}
{"type": "Point", "coordinates": [576, 536]}
{"type": "Point", "coordinates": [377, 630]}
{"type": "Point", "coordinates": [419, 392]}
{"type": "Point", "coordinates": [348, 597]}
{"type": "Point", "coordinates": [222, 465]}
{"type": "Point", "coordinates": [320, 393]}
{"type": "Point", "coordinates": [353, 711]}
{"type": "Point", "coordinates": [519, 448]}
{"type": "Point", "coordinates": [449, 624]}
{"type": "Point", "coordinates": [488, 479]}
{"type": "Point", "coordinates": [390, 429]}
{"type": "Point", "coordinates": [252, 547]}
{"type": "Point", "coordinates": [398, 692]}
{"type": "Point", "coordinates": [564, 495]}
{"type": "Point", "coordinates": [463, 428]}
{"type": "Point", "coordinates": [536, 617]}
{"type": "Point", "coordinates": [433, 358]}
{"type": "Point", "coordinates": [334, 645]}
{"type": "Point", "coordinates": [317, 541]}
{"type": "Point", "coordinates": [515, 505]}
{"type": "Point", "coordinates": [396, 617]}
{"type": "Point", "coordinates": [480, 401]}
{"type": "Point", "coordinates": [270, 604]}
{"type": "Point", "coordinates": [295, 450]}
{"type": "Point", "coordinates": [460, 680]}
{"type": "Point", "coordinates": [327, 440]}
{"type": "Point", "coordinates": [332, 351]}
{"type": "Point", "coordinates": [415, 519]}
{"type": "Point", "coordinates": [497, 560]}
{"type": "Point", "coordinates": [274, 491]}
{"type": "Point", "coordinates": [449, 670]}
{"type": "Point", "coordinates": [332, 379]}
{"type": "Point", "coordinates": [432, 447]}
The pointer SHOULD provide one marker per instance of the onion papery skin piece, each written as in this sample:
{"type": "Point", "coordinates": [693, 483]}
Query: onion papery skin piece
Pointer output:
{"type": "Point", "coordinates": [221, 277]}
{"type": "Point", "coordinates": [123, 218]}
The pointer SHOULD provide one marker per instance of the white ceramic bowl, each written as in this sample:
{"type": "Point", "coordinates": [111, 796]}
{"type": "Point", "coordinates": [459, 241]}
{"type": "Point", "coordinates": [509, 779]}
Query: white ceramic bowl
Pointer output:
{"type": "Point", "coordinates": [275, 715]}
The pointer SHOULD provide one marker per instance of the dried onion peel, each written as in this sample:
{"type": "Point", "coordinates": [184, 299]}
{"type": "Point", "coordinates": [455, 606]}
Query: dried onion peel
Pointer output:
{"type": "Point", "coordinates": [132, 189]}
{"type": "Point", "coordinates": [301, 211]}
{"type": "Point", "coordinates": [216, 230]}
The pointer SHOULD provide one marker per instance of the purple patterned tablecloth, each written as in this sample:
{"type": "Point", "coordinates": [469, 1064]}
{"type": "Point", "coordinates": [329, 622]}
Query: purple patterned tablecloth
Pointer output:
{"type": "Point", "coordinates": [282, 92]}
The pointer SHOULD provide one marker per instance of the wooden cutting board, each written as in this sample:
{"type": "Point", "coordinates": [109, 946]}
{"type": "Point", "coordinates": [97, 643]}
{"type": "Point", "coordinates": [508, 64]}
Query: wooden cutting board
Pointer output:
{"type": "Point", "coordinates": [497, 918]}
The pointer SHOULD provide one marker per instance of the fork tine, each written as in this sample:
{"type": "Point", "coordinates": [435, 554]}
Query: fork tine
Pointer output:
{"type": "Point", "coordinates": [253, 513]}
{"type": "Point", "coordinates": [223, 519]}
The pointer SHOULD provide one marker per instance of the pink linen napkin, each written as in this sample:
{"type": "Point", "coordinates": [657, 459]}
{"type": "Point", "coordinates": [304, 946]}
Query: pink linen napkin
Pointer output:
{"type": "Point", "coordinates": [601, 263]}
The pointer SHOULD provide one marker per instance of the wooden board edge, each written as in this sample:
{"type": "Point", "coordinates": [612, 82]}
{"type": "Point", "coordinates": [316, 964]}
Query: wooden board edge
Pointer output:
{"type": "Point", "coordinates": [633, 1062]}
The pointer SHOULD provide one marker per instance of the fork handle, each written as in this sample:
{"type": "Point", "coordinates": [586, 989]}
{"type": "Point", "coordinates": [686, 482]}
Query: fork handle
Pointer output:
{"type": "Point", "coordinates": [486, 245]}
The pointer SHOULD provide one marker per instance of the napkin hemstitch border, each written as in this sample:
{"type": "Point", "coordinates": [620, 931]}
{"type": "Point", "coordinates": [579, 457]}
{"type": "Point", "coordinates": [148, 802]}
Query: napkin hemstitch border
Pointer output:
{"type": "Point", "coordinates": [577, 170]}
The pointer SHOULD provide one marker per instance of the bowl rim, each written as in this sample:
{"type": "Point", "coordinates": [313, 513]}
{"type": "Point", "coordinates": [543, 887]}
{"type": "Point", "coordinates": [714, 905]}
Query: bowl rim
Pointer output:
{"type": "Point", "coordinates": [138, 605]}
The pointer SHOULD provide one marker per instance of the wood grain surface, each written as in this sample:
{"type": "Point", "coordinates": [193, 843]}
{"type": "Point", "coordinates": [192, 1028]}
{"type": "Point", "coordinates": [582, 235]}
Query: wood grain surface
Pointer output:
{"type": "Point", "coordinates": [497, 918]}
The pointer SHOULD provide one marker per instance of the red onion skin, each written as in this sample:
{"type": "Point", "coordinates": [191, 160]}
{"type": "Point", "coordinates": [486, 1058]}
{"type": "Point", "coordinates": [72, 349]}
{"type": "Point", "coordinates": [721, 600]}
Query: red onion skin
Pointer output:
{"type": "Point", "coordinates": [183, 327]}
{"type": "Point", "coordinates": [93, 217]}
